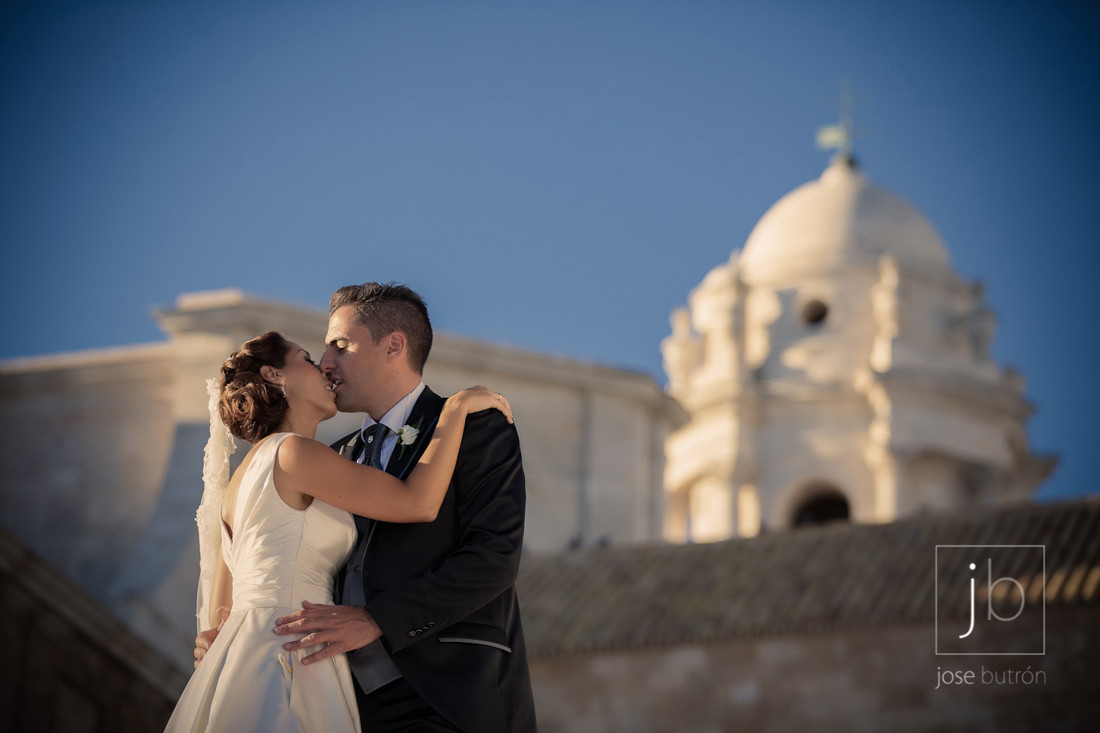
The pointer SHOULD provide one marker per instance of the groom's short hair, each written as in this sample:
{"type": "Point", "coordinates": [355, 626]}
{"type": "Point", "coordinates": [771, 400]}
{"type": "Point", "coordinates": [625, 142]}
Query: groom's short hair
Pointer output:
{"type": "Point", "coordinates": [389, 307]}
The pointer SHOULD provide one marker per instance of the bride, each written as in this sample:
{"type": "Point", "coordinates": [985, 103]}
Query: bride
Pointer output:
{"type": "Point", "coordinates": [284, 529]}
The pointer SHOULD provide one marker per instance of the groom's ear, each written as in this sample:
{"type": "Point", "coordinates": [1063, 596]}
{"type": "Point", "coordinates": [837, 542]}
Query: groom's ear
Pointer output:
{"type": "Point", "coordinates": [396, 343]}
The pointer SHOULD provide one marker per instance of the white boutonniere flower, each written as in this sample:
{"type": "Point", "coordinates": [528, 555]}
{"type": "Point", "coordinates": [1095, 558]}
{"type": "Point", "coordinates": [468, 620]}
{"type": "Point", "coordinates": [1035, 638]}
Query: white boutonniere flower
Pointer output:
{"type": "Point", "coordinates": [407, 435]}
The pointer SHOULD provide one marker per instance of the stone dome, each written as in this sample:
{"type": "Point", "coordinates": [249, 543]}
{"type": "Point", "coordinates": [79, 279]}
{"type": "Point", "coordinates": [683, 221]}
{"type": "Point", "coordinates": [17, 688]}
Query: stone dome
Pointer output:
{"type": "Point", "coordinates": [837, 220]}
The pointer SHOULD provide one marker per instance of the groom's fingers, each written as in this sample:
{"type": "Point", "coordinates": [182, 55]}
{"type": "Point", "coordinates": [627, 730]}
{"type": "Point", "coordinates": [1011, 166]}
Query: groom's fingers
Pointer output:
{"type": "Point", "coordinates": [293, 623]}
{"type": "Point", "coordinates": [290, 624]}
{"type": "Point", "coordinates": [338, 629]}
{"type": "Point", "coordinates": [330, 646]}
{"type": "Point", "coordinates": [330, 650]}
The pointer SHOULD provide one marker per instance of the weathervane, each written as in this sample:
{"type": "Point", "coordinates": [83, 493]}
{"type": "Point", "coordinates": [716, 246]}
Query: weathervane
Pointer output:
{"type": "Point", "coordinates": [840, 136]}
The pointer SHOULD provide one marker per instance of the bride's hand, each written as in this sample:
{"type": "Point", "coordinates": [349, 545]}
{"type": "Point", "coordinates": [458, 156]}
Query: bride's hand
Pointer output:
{"type": "Point", "coordinates": [206, 638]}
{"type": "Point", "coordinates": [476, 399]}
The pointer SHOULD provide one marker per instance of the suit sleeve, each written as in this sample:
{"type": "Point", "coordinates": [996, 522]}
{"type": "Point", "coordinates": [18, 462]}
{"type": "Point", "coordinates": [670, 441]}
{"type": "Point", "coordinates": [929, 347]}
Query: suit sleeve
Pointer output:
{"type": "Point", "coordinates": [490, 492]}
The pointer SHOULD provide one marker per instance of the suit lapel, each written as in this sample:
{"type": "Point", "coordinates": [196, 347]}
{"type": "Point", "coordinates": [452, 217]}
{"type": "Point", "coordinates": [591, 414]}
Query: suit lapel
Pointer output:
{"type": "Point", "coordinates": [349, 444]}
{"type": "Point", "coordinates": [347, 447]}
{"type": "Point", "coordinates": [426, 413]}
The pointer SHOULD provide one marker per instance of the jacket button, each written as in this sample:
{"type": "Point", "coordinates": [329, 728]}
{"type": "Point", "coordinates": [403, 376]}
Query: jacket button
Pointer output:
{"type": "Point", "coordinates": [431, 624]}
{"type": "Point", "coordinates": [412, 634]}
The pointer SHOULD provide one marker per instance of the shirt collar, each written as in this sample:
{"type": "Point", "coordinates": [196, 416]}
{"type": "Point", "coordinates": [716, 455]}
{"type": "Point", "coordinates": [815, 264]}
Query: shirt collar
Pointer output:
{"type": "Point", "coordinates": [398, 415]}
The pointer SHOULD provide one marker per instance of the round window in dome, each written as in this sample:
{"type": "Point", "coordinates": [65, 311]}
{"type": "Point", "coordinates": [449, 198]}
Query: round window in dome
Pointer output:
{"type": "Point", "coordinates": [814, 313]}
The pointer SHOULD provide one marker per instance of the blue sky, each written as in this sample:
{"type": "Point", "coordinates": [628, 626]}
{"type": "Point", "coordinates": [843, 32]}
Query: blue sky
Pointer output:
{"type": "Point", "coordinates": [551, 175]}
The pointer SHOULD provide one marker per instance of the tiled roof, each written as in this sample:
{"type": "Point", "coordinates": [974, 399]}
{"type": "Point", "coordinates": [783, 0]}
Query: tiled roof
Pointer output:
{"type": "Point", "coordinates": [43, 602]}
{"type": "Point", "coordinates": [807, 580]}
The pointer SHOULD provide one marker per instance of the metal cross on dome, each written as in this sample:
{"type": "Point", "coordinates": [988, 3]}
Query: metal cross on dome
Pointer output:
{"type": "Point", "coordinates": [840, 136]}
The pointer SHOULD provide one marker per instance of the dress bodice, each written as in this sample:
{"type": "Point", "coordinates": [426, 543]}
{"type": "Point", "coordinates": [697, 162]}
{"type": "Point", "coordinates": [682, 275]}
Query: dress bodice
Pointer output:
{"type": "Point", "coordinates": [280, 556]}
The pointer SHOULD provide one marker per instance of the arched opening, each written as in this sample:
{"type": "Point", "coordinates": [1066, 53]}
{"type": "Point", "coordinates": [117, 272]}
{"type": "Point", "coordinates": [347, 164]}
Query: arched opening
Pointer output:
{"type": "Point", "coordinates": [821, 508]}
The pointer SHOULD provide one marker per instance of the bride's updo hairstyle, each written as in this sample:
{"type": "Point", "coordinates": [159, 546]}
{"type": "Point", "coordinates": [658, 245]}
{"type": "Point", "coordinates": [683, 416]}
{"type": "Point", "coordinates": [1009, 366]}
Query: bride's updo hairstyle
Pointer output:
{"type": "Point", "coordinates": [251, 407]}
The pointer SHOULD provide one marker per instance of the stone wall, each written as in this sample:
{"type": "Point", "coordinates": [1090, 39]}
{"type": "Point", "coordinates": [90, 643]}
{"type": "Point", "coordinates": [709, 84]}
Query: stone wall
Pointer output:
{"type": "Point", "coordinates": [881, 679]}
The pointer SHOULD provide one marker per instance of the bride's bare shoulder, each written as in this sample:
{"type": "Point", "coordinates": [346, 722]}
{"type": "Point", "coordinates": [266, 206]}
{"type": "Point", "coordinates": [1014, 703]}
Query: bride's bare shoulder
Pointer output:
{"type": "Point", "coordinates": [297, 452]}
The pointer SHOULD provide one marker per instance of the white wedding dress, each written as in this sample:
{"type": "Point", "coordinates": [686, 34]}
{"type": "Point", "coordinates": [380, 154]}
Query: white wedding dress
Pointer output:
{"type": "Point", "coordinates": [279, 557]}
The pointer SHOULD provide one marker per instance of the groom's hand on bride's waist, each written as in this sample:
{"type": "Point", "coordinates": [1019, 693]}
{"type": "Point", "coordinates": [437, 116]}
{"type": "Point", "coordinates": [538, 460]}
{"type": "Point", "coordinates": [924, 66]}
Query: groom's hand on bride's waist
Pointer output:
{"type": "Point", "coordinates": [340, 629]}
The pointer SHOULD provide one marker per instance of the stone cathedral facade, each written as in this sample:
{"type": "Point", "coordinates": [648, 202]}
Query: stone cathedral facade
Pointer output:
{"type": "Point", "coordinates": [837, 367]}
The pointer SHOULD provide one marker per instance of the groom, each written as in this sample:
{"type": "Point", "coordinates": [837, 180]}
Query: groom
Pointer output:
{"type": "Point", "coordinates": [429, 616]}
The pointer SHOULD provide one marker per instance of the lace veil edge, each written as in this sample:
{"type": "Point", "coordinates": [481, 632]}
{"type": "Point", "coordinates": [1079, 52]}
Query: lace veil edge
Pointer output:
{"type": "Point", "coordinates": [215, 478]}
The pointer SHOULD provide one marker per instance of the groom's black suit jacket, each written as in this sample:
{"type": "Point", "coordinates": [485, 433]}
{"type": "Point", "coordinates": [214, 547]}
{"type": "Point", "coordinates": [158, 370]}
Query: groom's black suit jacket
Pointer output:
{"type": "Point", "coordinates": [443, 592]}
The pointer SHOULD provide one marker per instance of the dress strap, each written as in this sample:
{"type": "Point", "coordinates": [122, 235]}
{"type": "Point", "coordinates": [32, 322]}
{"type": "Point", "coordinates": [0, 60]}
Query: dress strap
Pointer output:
{"type": "Point", "coordinates": [262, 465]}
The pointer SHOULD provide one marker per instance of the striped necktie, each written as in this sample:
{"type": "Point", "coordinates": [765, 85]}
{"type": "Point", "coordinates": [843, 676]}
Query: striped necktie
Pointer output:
{"type": "Point", "coordinates": [375, 437]}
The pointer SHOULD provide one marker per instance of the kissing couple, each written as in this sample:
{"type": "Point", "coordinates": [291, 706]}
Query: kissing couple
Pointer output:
{"type": "Point", "coordinates": [369, 586]}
